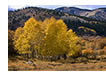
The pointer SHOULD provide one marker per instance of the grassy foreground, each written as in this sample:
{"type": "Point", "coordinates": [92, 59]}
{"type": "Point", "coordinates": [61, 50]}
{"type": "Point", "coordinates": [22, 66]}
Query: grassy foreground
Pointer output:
{"type": "Point", "coordinates": [20, 65]}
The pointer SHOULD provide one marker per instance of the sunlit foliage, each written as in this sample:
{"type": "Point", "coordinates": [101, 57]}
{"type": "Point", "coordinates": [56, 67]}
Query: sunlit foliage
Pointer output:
{"type": "Point", "coordinates": [48, 38]}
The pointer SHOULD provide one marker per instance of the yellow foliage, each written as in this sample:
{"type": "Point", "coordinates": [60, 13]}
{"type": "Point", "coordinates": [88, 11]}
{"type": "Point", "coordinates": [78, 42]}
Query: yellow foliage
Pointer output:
{"type": "Point", "coordinates": [30, 21]}
{"type": "Point", "coordinates": [104, 48]}
{"type": "Point", "coordinates": [18, 32]}
{"type": "Point", "coordinates": [49, 38]}
{"type": "Point", "coordinates": [87, 51]}
{"type": "Point", "coordinates": [87, 29]}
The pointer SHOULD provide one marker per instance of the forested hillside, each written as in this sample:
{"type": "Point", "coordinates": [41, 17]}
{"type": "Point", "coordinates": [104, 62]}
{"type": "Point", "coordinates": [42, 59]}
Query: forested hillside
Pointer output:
{"type": "Point", "coordinates": [81, 25]}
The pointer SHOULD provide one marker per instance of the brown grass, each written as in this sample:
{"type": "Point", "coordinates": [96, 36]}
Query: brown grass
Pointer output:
{"type": "Point", "coordinates": [19, 65]}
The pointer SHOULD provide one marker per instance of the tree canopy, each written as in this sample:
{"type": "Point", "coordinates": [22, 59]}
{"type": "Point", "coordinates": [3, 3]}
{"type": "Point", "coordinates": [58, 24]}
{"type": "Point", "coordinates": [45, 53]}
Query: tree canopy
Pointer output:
{"type": "Point", "coordinates": [48, 38]}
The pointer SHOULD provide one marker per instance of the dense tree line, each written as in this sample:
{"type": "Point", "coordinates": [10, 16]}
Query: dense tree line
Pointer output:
{"type": "Point", "coordinates": [99, 28]}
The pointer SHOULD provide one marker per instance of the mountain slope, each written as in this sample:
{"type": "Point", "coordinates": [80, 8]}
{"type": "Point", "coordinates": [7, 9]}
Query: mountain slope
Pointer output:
{"type": "Point", "coordinates": [99, 14]}
{"type": "Point", "coordinates": [73, 10]}
{"type": "Point", "coordinates": [19, 17]}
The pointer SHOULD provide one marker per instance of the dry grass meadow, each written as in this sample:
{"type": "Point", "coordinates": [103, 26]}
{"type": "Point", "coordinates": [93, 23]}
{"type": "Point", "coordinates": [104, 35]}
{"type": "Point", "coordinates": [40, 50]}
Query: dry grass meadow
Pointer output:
{"type": "Point", "coordinates": [20, 65]}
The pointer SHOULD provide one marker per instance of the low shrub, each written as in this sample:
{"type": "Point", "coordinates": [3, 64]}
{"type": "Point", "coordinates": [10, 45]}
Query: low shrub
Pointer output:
{"type": "Point", "coordinates": [87, 52]}
{"type": "Point", "coordinates": [101, 43]}
{"type": "Point", "coordinates": [103, 52]}
{"type": "Point", "coordinates": [81, 59]}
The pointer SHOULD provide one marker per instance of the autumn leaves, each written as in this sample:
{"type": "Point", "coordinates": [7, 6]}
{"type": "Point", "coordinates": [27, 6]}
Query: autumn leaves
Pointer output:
{"type": "Point", "coordinates": [48, 38]}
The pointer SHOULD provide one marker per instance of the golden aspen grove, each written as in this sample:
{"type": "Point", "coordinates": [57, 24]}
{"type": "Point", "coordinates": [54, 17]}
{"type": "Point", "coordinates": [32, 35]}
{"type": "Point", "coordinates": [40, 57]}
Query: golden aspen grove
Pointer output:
{"type": "Point", "coordinates": [52, 39]}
